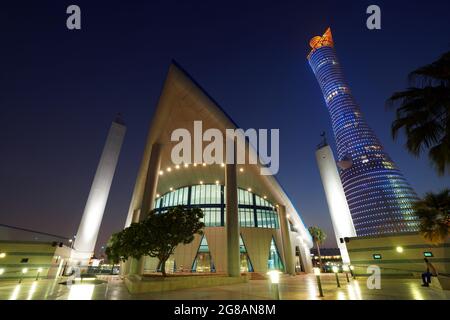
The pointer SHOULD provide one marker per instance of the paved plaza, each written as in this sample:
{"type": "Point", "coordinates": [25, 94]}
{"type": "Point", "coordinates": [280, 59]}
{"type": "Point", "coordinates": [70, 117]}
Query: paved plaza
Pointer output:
{"type": "Point", "coordinates": [303, 287]}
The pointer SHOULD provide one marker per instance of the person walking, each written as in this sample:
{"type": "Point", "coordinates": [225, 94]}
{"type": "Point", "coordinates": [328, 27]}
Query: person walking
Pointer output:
{"type": "Point", "coordinates": [431, 272]}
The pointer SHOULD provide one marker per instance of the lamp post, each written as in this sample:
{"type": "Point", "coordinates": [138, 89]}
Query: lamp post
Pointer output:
{"type": "Point", "coordinates": [319, 283]}
{"type": "Point", "coordinates": [24, 271]}
{"type": "Point", "coordinates": [352, 268]}
{"type": "Point", "coordinates": [346, 270]}
{"type": "Point", "coordinates": [275, 280]}
{"type": "Point", "coordinates": [336, 270]}
{"type": "Point", "coordinates": [39, 270]}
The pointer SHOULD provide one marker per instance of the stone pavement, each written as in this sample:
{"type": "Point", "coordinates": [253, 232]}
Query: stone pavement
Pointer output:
{"type": "Point", "coordinates": [302, 287]}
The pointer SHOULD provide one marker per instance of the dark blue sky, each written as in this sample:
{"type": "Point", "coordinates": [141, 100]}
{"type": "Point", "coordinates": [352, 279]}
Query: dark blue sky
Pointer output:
{"type": "Point", "coordinates": [60, 89]}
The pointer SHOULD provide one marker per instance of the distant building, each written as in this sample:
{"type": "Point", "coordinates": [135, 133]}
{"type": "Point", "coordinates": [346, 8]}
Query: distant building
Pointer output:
{"type": "Point", "coordinates": [40, 254]}
{"type": "Point", "coordinates": [330, 257]}
{"type": "Point", "coordinates": [379, 197]}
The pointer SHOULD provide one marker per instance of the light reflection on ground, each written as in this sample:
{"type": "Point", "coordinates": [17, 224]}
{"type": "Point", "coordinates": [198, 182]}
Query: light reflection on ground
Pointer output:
{"type": "Point", "coordinates": [303, 287]}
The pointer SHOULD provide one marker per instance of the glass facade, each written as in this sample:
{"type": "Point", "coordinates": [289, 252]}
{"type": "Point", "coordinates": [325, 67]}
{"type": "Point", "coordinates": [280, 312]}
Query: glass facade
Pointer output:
{"type": "Point", "coordinates": [274, 262]}
{"type": "Point", "coordinates": [203, 260]}
{"type": "Point", "coordinates": [246, 264]}
{"type": "Point", "coordinates": [379, 197]}
{"type": "Point", "coordinates": [204, 263]}
{"type": "Point", "coordinates": [254, 211]}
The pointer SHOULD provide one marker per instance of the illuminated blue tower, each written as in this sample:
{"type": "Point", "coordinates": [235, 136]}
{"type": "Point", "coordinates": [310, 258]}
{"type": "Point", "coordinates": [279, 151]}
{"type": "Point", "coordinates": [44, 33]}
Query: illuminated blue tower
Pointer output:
{"type": "Point", "coordinates": [379, 197]}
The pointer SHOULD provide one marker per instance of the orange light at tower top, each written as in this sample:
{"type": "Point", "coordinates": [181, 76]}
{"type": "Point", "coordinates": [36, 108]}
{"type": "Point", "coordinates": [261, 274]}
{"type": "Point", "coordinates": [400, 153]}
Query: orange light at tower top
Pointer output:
{"type": "Point", "coordinates": [326, 40]}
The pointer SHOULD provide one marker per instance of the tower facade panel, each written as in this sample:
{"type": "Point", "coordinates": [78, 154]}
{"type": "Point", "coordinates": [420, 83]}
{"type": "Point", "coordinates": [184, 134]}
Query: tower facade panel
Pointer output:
{"type": "Point", "coordinates": [379, 197]}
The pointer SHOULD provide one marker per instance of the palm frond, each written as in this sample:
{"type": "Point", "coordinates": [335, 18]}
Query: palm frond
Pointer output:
{"type": "Point", "coordinates": [432, 74]}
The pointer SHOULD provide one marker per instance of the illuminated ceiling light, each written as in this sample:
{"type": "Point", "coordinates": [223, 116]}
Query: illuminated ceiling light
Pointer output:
{"type": "Point", "coordinates": [2, 271]}
{"type": "Point", "coordinates": [249, 189]}
{"type": "Point", "coordinates": [157, 195]}
{"type": "Point", "coordinates": [222, 165]}
{"type": "Point", "coordinates": [241, 169]}
{"type": "Point", "coordinates": [217, 181]}
{"type": "Point", "coordinates": [186, 165]}
{"type": "Point", "coordinates": [169, 169]}
{"type": "Point", "coordinates": [277, 206]}
{"type": "Point", "coordinates": [204, 164]}
{"type": "Point", "coordinates": [171, 189]}
{"type": "Point", "coordinates": [177, 167]}
{"type": "Point", "coordinates": [399, 249]}
{"type": "Point", "coordinates": [24, 270]}
{"type": "Point", "coordinates": [2, 255]}
{"type": "Point", "coordinates": [195, 164]}
{"type": "Point", "coordinates": [265, 197]}
{"type": "Point", "coordinates": [201, 182]}
{"type": "Point", "coordinates": [288, 216]}
{"type": "Point", "coordinates": [161, 172]}
{"type": "Point", "coordinates": [39, 270]}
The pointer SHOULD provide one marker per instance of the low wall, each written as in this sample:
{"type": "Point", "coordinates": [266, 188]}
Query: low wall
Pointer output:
{"type": "Point", "coordinates": [136, 284]}
{"type": "Point", "coordinates": [398, 255]}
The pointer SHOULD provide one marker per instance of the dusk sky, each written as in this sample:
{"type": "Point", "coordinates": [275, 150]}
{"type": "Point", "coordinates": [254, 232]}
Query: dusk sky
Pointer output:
{"type": "Point", "coordinates": [60, 90]}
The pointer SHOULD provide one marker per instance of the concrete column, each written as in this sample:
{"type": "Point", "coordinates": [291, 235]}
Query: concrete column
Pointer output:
{"type": "Point", "coordinates": [337, 202]}
{"type": "Point", "coordinates": [125, 267]}
{"type": "Point", "coordinates": [95, 206]}
{"type": "Point", "coordinates": [287, 247]}
{"type": "Point", "coordinates": [151, 182]}
{"type": "Point", "coordinates": [151, 185]}
{"type": "Point", "coordinates": [232, 221]}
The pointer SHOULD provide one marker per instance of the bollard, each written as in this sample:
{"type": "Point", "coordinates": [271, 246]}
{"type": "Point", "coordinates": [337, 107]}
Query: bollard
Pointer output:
{"type": "Point", "coordinates": [319, 283]}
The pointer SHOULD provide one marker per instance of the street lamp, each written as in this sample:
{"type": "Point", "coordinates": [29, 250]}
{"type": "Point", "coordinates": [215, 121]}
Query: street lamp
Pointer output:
{"type": "Point", "coordinates": [39, 270]}
{"type": "Point", "coordinates": [275, 280]}
{"type": "Point", "coordinates": [336, 270]}
{"type": "Point", "coordinates": [319, 283]}
{"type": "Point", "coordinates": [346, 270]}
{"type": "Point", "coordinates": [352, 268]}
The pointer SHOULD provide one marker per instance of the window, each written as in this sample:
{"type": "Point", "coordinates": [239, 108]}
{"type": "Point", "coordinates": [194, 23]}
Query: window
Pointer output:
{"type": "Point", "coordinates": [211, 199]}
{"type": "Point", "coordinates": [274, 262]}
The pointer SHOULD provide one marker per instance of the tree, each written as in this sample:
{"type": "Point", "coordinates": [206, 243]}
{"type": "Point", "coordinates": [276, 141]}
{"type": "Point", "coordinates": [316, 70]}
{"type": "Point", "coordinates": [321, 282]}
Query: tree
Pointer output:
{"type": "Point", "coordinates": [113, 250]}
{"type": "Point", "coordinates": [319, 237]}
{"type": "Point", "coordinates": [423, 112]}
{"type": "Point", "coordinates": [433, 212]}
{"type": "Point", "coordinates": [157, 235]}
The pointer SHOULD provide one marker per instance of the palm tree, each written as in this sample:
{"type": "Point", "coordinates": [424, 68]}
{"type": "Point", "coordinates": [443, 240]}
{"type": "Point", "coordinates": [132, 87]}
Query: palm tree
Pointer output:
{"type": "Point", "coordinates": [319, 237]}
{"type": "Point", "coordinates": [423, 112]}
{"type": "Point", "coordinates": [434, 214]}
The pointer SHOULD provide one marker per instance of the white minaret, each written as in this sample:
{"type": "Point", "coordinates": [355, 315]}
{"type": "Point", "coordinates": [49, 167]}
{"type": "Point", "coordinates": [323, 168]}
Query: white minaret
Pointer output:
{"type": "Point", "coordinates": [95, 206]}
{"type": "Point", "coordinates": [337, 202]}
